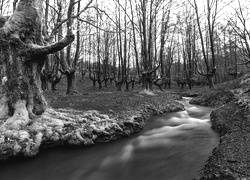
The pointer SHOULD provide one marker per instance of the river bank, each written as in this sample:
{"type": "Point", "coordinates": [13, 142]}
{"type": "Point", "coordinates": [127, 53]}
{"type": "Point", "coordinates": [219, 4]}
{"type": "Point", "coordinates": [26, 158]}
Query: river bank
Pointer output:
{"type": "Point", "coordinates": [94, 116]}
{"type": "Point", "coordinates": [231, 119]}
{"type": "Point", "coordinates": [167, 144]}
{"type": "Point", "coordinates": [85, 119]}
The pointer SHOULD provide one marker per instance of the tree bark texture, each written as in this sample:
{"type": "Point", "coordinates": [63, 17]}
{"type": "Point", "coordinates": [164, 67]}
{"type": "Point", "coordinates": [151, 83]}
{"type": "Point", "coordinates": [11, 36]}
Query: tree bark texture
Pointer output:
{"type": "Point", "coordinates": [22, 53]}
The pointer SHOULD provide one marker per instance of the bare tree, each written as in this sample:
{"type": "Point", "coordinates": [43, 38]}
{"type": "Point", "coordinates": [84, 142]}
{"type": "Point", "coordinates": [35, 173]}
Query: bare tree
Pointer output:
{"type": "Point", "coordinates": [146, 22]}
{"type": "Point", "coordinates": [134, 38]}
{"type": "Point", "coordinates": [240, 27]}
{"type": "Point", "coordinates": [164, 27]}
{"type": "Point", "coordinates": [189, 49]}
{"type": "Point", "coordinates": [211, 17]}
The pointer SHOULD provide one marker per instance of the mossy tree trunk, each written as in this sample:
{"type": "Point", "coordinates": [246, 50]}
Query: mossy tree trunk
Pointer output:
{"type": "Point", "coordinates": [22, 53]}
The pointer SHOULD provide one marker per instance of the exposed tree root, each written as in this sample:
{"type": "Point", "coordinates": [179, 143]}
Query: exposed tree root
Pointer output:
{"type": "Point", "coordinates": [19, 119]}
{"type": "Point", "coordinates": [19, 135]}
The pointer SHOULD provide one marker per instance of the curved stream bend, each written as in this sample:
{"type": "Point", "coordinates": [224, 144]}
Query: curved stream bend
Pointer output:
{"type": "Point", "coordinates": [172, 146]}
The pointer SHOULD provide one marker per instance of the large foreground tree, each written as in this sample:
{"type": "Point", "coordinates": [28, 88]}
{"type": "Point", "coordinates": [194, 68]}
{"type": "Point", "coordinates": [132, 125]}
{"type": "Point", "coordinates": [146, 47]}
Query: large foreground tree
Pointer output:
{"type": "Point", "coordinates": [22, 54]}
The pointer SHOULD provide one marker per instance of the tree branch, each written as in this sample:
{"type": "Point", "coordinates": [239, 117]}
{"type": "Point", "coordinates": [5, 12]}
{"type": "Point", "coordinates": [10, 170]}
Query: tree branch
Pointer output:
{"type": "Point", "coordinates": [37, 50]}
{"type": "Point", "coordinates": [153, 70]}
{"type": "Point", "coordinates": [59, 24]}
{"type": "Point", "coordinates": [87, 22]}
{"type": "Point", "coordinates": [199, 72]}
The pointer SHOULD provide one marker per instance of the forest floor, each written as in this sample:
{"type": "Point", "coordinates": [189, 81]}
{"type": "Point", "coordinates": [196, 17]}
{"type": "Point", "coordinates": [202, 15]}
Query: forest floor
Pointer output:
{"type": "Point", "coordinates": [109, 100]}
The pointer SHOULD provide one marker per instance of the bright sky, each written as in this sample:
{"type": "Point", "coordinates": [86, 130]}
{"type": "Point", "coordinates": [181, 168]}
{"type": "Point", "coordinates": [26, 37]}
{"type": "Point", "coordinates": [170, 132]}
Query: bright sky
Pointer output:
{"type": "Point", "coordinates": [225, 9]}
{"type": "Point", "coordinates": [110, 4]}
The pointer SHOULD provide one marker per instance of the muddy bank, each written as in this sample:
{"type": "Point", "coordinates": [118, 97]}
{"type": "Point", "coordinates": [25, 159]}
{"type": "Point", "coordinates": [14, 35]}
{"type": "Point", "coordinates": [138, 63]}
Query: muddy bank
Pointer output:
{"type": "Point", "coordinates": [231, 119]}
{"type": "Point", "coordinates": [80, 128]}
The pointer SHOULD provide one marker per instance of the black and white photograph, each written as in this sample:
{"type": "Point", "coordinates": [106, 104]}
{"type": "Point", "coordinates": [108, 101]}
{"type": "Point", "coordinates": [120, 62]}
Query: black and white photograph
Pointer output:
{"type": "Point", "coordinates": [124, 89]}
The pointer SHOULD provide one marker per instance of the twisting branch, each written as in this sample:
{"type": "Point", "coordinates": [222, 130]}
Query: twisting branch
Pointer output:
{"type": "Point", "coordinates": [57, 12]}
{"type": "Point", "coordinates": [198, 70]}
{"type": "Point", "coordinates": [37, 50]}
{"type": "Point", "coordinates": [153, 70]}
{"type": "Point", "coordinates": [54, 31]}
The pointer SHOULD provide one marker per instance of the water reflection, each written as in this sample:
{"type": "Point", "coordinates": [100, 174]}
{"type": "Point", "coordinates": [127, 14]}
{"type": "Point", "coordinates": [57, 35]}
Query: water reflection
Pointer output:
{"type": "Point", "coordinates": [171, 147]}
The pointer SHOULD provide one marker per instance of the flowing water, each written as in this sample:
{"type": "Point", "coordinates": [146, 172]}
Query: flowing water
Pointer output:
{"type": "Point", "coordinates": [172, 146]}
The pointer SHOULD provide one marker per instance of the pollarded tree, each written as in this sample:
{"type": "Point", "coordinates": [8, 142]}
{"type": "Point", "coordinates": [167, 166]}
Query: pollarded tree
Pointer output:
{"type": "Point", "coordinates": [212, 12]}
{"type": "Point", "coordinates": [22, 53]}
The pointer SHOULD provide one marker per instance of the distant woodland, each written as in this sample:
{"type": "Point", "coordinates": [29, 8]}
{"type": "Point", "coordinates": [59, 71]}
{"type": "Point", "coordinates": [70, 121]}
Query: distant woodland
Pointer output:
{"type": "Point", "coordinates": [150, 42]}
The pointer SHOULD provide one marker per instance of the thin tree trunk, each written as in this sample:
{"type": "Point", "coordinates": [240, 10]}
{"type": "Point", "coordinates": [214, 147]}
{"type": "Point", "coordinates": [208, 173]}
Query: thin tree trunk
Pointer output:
{"type": "Point", "coordinates": [134, 39]}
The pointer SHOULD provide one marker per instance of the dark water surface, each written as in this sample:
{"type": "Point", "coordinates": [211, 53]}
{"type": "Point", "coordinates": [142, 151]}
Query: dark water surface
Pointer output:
{"type": "Point", "coordinates": [172, 146]}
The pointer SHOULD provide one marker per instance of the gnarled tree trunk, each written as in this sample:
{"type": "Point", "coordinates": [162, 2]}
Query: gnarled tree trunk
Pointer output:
{"type": "Point", "coordinates": [26, 121]}
{"type": "Point", "coordinates": [23, 55]}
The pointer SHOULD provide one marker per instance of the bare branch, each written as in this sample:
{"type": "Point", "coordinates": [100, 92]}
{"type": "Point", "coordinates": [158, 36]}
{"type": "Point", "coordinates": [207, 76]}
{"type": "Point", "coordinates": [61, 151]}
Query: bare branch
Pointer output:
{"type": "Point", "coordinates": [37, 50]}
{"type": "Point", "coordinates": [85, 21]}
{"type": "Point", "coordinates": [52, 8]}
{"type": "Point", "coordinates": [66, 20]}
{"type": "Point", "coordinates": [199, 72]}
{"type": "Point", "coordinates": [102, 11]}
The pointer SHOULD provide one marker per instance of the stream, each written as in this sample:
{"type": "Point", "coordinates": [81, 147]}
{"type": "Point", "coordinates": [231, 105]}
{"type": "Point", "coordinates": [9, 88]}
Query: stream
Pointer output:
{"type": "Point", "coordinates": [172, 146]}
